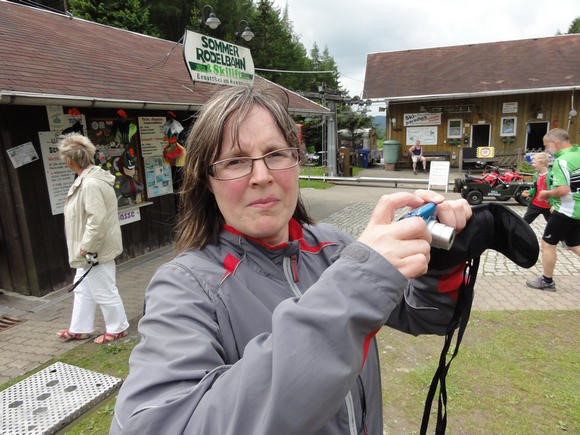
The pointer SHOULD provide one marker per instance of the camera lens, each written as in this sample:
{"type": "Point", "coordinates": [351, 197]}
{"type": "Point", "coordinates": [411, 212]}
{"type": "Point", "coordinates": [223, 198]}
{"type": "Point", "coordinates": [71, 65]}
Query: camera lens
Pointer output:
{"type": "Point", "coordinates": [442, 236]}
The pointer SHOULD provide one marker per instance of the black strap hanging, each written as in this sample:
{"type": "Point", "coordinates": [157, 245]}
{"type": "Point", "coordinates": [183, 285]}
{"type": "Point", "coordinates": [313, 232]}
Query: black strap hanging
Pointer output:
{"type": "Point", "coordinates": [459, 322]}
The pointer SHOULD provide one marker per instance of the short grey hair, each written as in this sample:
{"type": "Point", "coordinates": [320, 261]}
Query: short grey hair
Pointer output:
{"type": "Point", "coordinates": [78, 149]}
{"type": "Point", "coordinates": [557, 135]}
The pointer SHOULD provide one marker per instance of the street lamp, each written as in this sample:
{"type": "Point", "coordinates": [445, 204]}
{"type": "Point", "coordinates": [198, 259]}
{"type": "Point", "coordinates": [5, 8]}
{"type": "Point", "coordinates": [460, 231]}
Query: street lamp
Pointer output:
{"type": "Point", "coordinates": [247, 35]}
{"type": "Point", "coordinates": [212, 21]}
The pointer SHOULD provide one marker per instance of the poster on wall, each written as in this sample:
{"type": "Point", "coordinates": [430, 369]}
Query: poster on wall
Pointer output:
{"type": "Point", "coordinates": [73, 121]}
{"type": "Point", "coordinates": [59, 177]}
{"type": "Point", "coordinates": [22, 154]}
{"type": "Point", "coordinates": [152, 135]}
{"type": "Point", "coordinates": [427, 135]}
{"type": "Point", "coordinates": [153, 141]}
{"type": "Point", "coordinates": [157, 177]}
{"type": "Point", "coordinates": [118, 153]}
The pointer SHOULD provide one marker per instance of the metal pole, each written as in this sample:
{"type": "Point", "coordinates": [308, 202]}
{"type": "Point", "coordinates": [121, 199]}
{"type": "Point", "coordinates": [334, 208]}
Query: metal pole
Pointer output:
{"type": "Point", "coordinates": [331, 139]}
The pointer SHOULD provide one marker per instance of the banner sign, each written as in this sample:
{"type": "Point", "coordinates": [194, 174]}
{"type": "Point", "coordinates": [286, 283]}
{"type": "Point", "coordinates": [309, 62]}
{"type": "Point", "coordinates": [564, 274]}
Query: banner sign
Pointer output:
{"type": "Point", "coordinates": [412, 119]}
{"type": "Point", "coordinates": [215, 61]}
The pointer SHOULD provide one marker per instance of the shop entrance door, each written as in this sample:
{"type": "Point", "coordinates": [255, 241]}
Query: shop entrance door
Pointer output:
{"type": "Point", "coordinates": [480, 135]}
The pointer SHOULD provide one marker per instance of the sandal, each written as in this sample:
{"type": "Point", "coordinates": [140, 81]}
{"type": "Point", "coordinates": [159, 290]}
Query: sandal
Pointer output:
{"type": "Point", "coordinates": [108, 337]}
{"type": "Point", "coordinates": [66, 335]}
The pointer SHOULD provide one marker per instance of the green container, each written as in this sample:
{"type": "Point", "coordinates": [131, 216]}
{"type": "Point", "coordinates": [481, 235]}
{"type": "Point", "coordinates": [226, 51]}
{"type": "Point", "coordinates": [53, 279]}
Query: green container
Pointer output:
{"type": "Point", "coordinates": [391, 151]}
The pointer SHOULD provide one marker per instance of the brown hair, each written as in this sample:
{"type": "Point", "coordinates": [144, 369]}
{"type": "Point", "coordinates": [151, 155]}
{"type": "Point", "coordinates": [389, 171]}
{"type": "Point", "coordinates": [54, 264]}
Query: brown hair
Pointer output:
{"type": "Point", "coordinates": [78, 149]}
{"type": "Point", "coordinates": [199, 218]}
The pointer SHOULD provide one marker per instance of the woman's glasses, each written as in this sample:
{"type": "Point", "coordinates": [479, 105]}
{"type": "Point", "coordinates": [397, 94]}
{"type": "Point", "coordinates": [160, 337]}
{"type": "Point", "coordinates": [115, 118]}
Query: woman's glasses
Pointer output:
{"type": "Point", "coordinates": [238, 167]}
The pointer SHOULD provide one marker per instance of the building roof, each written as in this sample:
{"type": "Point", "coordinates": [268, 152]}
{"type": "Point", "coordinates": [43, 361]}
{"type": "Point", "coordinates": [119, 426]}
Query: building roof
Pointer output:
{"type": "Point", "coordinates": [50, 58]}
{"type": "Point", "coordinates": [508, 67]}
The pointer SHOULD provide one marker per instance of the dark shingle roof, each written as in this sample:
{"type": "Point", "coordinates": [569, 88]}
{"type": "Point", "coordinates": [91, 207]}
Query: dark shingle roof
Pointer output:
{"type": "Point", "coordinates": [520, 65]}
{"type": "Point", "coordinates": [44, 53]}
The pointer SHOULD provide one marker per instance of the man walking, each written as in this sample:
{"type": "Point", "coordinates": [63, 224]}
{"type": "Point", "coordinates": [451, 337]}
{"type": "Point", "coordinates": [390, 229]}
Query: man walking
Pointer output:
{"type": "Point", "coordinates": [564, 222]}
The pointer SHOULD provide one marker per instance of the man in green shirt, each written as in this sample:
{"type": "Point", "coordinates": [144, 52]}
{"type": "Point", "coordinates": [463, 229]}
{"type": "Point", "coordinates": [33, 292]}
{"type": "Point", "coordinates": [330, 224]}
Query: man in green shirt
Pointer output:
{"type": "Point", "coordinates": [564, 222]}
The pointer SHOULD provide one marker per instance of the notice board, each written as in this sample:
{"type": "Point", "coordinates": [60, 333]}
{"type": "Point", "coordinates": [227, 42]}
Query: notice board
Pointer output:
{"type": "Point", "coordinates": [439, 174]}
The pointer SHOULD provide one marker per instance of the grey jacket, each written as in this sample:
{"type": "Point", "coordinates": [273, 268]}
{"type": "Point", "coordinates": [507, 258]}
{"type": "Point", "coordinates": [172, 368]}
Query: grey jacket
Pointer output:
{"type": "Point", "coordinates": [241, 339]}
{"type": "Point", "coordinates": [91, 220]}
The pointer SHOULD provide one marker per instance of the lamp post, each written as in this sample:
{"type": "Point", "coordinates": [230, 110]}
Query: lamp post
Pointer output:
{"type": "Point", "coordinates": [212, 21]}
{"type": "Point", "coordinates": [247, 34]}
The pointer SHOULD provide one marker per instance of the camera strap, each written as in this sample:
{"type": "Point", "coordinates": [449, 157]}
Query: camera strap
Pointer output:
{"type": "Point", "coordinates": [459, 322]}
{"type": "Point", "coordinates": [76, 284]}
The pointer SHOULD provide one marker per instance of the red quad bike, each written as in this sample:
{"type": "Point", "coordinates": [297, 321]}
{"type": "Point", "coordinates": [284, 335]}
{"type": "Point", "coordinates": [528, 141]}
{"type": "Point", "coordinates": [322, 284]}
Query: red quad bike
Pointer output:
{"type": "Point", "coordinates": [501, 184]}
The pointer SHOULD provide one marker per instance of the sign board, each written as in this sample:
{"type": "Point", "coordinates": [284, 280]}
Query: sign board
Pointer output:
{"type": "Point", "coordinates": [411, 119]}
{"type": "Point", "coordinates": [59, 177]}
{"type": "Point", "coordinates": [215, 61]}
{"type": "Point", "coordinates": [511, 107]}
{"type": "Point", "coordinates": [485, 152]}
{"type": "Point", "coordinates": [427, 135]}
{"type": "Point", "coordinates": [128, 215]}
{"type": "Point", "coordinates": [151, 135]}
{"type": "Point", "coordinates": [439, 174]}
{"type": "Point", "coordinates": [22, 154]}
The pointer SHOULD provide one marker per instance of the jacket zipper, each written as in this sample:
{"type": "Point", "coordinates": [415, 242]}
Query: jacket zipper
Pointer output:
{"type": "Point", "coordinates": [290, 266]}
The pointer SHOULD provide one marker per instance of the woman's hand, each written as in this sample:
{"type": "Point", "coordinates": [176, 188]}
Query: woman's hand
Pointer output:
{"type": "Point", "coordinates": [406, 243]}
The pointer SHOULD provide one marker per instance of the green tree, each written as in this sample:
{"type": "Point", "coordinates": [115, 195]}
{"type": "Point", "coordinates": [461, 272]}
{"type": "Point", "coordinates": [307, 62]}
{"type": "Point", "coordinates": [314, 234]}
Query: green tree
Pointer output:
{"type": "Point", "coordinates": [575, 26]}
{"type": "Point", "coordinates": [124, 14]}
{"type": "Point", "coordinates": [170, 17]}
{"type": "Point", "coordinates": [275, 47]}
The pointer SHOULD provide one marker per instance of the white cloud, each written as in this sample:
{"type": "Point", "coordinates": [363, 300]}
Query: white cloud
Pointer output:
{"type": "Point", "coordinates": [351, 30]}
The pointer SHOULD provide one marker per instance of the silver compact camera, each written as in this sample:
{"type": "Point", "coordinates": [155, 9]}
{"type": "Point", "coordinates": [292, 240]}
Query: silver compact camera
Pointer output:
{"type": "Point", "coordinates": [442, 236]}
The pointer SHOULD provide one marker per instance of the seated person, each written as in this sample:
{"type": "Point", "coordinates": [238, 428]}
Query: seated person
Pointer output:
{"type": "Point", "coordinates": [416, 155]}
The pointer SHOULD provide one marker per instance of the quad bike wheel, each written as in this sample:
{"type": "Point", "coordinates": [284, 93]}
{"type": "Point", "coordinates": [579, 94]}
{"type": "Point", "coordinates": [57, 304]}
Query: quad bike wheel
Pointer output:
{"type": "Point", "coordinates": [474, 197]}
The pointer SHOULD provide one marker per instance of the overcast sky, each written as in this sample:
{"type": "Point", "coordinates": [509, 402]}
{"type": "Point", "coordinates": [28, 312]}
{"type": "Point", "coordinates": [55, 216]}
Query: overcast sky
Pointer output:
{"type": "Point", "coordinates": [352, 29]}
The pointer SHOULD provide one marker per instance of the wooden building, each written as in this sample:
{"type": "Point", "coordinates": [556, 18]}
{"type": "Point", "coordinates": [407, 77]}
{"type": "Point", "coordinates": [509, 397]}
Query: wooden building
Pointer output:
{"type": "Point", "coordinates": [477, 99]}
{"type": "Point", "coordinates": [62, 73]}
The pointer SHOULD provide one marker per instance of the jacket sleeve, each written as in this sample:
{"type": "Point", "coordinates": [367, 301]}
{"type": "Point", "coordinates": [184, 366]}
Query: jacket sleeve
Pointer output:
{"type": "Point", "coordinates": [96, 210]}
{"type": "Point", "coordinates": [429, 302]}
{"type": "Point", "coordinates": [292, 380]}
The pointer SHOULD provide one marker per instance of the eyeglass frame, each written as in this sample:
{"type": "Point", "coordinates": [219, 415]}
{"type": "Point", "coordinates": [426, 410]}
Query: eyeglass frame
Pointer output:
{"type": "Point", "coordinates": [252, 160]}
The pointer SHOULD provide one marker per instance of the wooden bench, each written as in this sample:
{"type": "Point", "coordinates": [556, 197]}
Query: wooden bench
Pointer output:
{"type": "Point", "coordinates": [406, 163]}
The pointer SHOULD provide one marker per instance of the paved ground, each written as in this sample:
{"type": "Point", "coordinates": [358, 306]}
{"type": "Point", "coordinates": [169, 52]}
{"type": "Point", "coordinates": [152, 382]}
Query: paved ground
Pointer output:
{"type": "Point", "coordinates": [500, 284]}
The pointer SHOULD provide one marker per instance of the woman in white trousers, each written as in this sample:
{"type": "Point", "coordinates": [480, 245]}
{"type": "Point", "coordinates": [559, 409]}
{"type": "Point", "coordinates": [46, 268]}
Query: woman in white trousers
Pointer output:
{"type": "Point", "coordinates": [93, 236]}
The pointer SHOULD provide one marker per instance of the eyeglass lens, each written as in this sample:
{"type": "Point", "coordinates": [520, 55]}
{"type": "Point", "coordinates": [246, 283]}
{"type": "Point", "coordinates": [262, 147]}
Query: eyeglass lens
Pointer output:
{"type": "Point", "coordinates": [241, 166]}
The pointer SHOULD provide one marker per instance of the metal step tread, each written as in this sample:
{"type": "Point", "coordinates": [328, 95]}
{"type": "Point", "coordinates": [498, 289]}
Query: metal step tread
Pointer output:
{"type": "Point", "coordinates": [52, 398]}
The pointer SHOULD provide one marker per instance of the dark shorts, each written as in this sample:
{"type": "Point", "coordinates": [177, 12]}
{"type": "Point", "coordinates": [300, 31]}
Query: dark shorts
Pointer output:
{"type": "Point", "coordinates": [534, 211]}
{"type": "Point", "coordinates": [562, 228]}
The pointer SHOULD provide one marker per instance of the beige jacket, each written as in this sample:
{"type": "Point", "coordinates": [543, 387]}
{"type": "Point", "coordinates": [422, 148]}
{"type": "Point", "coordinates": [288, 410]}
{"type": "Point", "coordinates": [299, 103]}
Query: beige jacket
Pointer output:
{"type": "Point", "coordinates": [91, 220]}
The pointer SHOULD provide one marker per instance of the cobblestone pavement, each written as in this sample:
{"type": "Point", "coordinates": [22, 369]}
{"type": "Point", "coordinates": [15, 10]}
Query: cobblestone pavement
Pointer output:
{"type": "Point", "coordinates": [500, 284]}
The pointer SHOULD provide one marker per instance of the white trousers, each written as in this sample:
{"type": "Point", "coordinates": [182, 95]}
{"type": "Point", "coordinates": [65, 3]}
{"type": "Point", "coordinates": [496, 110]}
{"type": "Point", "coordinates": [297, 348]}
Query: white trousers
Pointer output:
{"type": "Point", "coordinates": [98, 288]}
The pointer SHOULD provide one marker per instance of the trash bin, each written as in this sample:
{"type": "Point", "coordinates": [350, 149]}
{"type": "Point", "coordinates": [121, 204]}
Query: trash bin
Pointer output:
{"type": "Point", "coordinates": [362, 158]}
{"type": "Point", "coordinates": [391, 151]}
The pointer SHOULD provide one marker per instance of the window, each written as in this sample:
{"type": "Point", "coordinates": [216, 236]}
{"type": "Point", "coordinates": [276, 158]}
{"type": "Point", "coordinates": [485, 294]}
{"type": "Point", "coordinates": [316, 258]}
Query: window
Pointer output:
{"type": "Point", "coordinates": [455, 128]}
{"type": "Point", "coordinates": [508, 126]}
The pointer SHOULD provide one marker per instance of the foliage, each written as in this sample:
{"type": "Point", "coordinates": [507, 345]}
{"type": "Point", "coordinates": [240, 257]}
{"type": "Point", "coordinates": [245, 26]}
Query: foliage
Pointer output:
{"type": "Point", "coordinates": [575, 26]}
{"type": "Point", "coordinates": [353, 120]}
{"type": "Point", "coordinates": [124, 14]}
{"type": "Point", "coordinates": [525, 167]}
